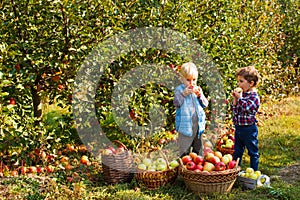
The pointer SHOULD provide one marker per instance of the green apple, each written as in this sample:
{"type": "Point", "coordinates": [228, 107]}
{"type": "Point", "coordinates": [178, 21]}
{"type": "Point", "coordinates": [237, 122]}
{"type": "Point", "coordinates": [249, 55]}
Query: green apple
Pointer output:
{"type": "Point", "coordinates": [161, 161]}
{"type": "Point", "coordinates": [225, 159]}
{"type": "Point", "coordinates": [249, 170]}
{"type": "Point", "coordinates": [229, 141]}
{"type": "Point", "coordinates": [228, 145]}
{"type": "Point", "coordinates": [258, 173]}
{"type": "Point", "coordinates": [161, 167]}
{"type": "Point", "coordinates": [253, 176]}
{"type": "Point", "coordinates": [147, 161]}
{"type": "Point", "coordinates": [243, 174]}
{"type": "Point", "coordinates": [142, 166]}
{"type": "Point", "coordinates": [247, 175]}
{"type": "Point", "coordinates": [228, 156]}
{"type": "Point", "coordinates": [152, 168]}
{"type": "Point", "coordinates": [174, 164]}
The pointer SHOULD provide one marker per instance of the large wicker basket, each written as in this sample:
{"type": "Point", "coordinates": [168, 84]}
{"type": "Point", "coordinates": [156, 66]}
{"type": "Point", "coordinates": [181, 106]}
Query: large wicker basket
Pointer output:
{"type": "Point", "coordinates": [119, 167]}
{"type": "Point", "coordinates": [209, 182]}
{"type": "Point", "coordinates": [155, 179]}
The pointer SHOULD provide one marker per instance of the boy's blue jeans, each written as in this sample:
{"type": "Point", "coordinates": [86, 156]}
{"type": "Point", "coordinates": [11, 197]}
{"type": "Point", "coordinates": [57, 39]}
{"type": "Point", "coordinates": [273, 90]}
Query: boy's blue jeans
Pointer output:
{"type": "Point", "coordinates": [247, 137]}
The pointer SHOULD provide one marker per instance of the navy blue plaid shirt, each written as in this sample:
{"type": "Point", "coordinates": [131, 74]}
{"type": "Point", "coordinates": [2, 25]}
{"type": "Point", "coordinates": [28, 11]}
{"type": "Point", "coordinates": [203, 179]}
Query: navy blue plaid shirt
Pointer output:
{"type": "Point", "coordinates": [246, 108]}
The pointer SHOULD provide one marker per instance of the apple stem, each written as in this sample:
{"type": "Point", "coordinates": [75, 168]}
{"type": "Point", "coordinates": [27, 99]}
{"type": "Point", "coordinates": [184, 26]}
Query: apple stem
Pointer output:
{"type": "Point", "coordinates": [191, 149]}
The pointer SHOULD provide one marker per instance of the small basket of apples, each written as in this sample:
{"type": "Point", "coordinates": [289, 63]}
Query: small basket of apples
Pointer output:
{"type": "Point", "coordinates": [210, 173]}
{"type": "Point", "coordinates": [117, 163]}
{"type": "Point", "coordinates": [226, 143]}
{"type": "Point", "coordinates": [156, 171]}
{"type": "Point", "coordinates": [251, 179]}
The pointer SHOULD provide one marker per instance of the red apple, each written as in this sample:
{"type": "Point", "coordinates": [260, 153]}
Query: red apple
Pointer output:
{"type": "Point", "coordinates": [220, 166]}
{"type": "Point", "coordinates": [209, 155]}
{"type": "Point", "coordinates": [185, 159]}
{"type": "Point", "coordinates": [231, 164]}
{"type": "Point", "coordinates": [14, 173]}
{"type": "Point", "coordinates": [120, 149]}
{"type": "Point", "coordinates": [214, 159]}
{"type": "Point", "coordinates": [50, 168]}
{"type": "Point", "coordinates": [191, 165]}
{"type": "Point", "coordinates": [218, 154]}
{"type": "Point", "coordinates": [23, 170]}
{"type": "Point", "coordinates": [68, 167]}
{"type": "Point", "coordinates": [208, 167]}
{"type": "Point", "coordinates": [199, 167]}
{"type": "Point", "coordinates": [198, 160]}
{"type": "Point", "coordinates": [162, 141]}
{"type": "Point", "coordinates": [40, 170]}
{"type": "Point", "coordinates": [84, 160]}
{"type": "Point", "coordinates": [193, 155]}
{"type": "Point", "coordinates": [12, 101]}
{"type": "Point", "coordinates": [32, 169]}
{"type": "Point", "coordinates": [113, 150]}
{"type": "Point", "coordinates": [207, 150]}
{"type": "Point", "coordinates": [197, 170]}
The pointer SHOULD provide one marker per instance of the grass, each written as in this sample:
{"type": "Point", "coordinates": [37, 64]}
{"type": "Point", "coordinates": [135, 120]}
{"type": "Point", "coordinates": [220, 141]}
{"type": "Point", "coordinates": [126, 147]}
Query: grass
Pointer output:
{"type": "Point", "coordinates": [279, 148]}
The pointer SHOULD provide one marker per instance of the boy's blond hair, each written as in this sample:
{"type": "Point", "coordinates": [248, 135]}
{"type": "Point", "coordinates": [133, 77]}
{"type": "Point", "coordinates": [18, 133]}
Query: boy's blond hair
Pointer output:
{"type": "Point", "coordinates": [189, 69]}
{"type": "Point", "coordinates": [249, 73]}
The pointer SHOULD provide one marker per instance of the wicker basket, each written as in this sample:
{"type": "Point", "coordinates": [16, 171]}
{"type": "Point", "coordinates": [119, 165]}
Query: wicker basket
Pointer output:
{"type": "Point", "coordinates": [224, 150]}
{"type": "Point", "coordinates": [155, 179]}
{"type": "Point", "coordinates": [209, 182]}
{"type": "Point", "coordinates": [119, 167]}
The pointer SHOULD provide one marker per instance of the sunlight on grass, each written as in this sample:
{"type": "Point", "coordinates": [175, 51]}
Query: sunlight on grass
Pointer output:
{"type": "Point", "coordinates": [279, 137]}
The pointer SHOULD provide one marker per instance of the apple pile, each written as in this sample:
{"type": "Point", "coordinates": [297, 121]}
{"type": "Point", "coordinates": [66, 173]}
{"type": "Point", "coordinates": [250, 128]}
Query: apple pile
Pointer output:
{"type": "Point", "coordinates": [113, 151]}
{"type": "Point", "coordinates": [159, 164]}
{"type": "Point", "coordinates": [250, 173]}
{"type": "Point", "coordinates": [227, 141]}
{"type": "Point", "coordinates": [212, 161]}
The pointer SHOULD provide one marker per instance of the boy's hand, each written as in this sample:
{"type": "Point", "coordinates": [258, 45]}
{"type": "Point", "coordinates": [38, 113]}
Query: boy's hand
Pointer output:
{"type": "Point", "coordinates": [197, 91]}
{"type": "Point", "coordinates": [187, 91]}
{"type": "Point", "coordinates": [236, 94]}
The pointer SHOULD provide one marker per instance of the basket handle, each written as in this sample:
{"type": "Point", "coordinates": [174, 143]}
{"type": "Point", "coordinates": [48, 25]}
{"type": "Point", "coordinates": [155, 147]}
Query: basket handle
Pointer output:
{"type": "Point", "coordinates": [120, 143]}
{"type": "Point", "coordinates": [237, 163]}
{"type": "Point", "coordinates": [162, 154]}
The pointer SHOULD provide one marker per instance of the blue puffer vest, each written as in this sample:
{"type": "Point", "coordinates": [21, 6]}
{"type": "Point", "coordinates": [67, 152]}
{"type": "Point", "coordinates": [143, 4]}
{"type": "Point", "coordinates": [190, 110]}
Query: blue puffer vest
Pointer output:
{"type": "Point", "coordinates": [184, 113]}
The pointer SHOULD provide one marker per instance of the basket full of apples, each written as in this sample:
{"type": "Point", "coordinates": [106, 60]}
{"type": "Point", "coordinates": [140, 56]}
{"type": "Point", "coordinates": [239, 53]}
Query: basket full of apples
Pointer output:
{"type": "Point", "coordinates": [251, 179]}
{"type": "Point", "coordinates": [117, 164]}
{"type": "Point", "coordinates": [211, 173]}
{"type": "Point", "coordinates": [154, 172]}
{"type": "Point", "coordinates": [226, 143]}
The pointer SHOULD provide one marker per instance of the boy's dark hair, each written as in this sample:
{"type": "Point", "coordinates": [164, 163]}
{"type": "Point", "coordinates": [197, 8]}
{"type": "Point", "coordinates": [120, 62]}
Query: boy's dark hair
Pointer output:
{"type": "Point", "coordinates": [249, 73]}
